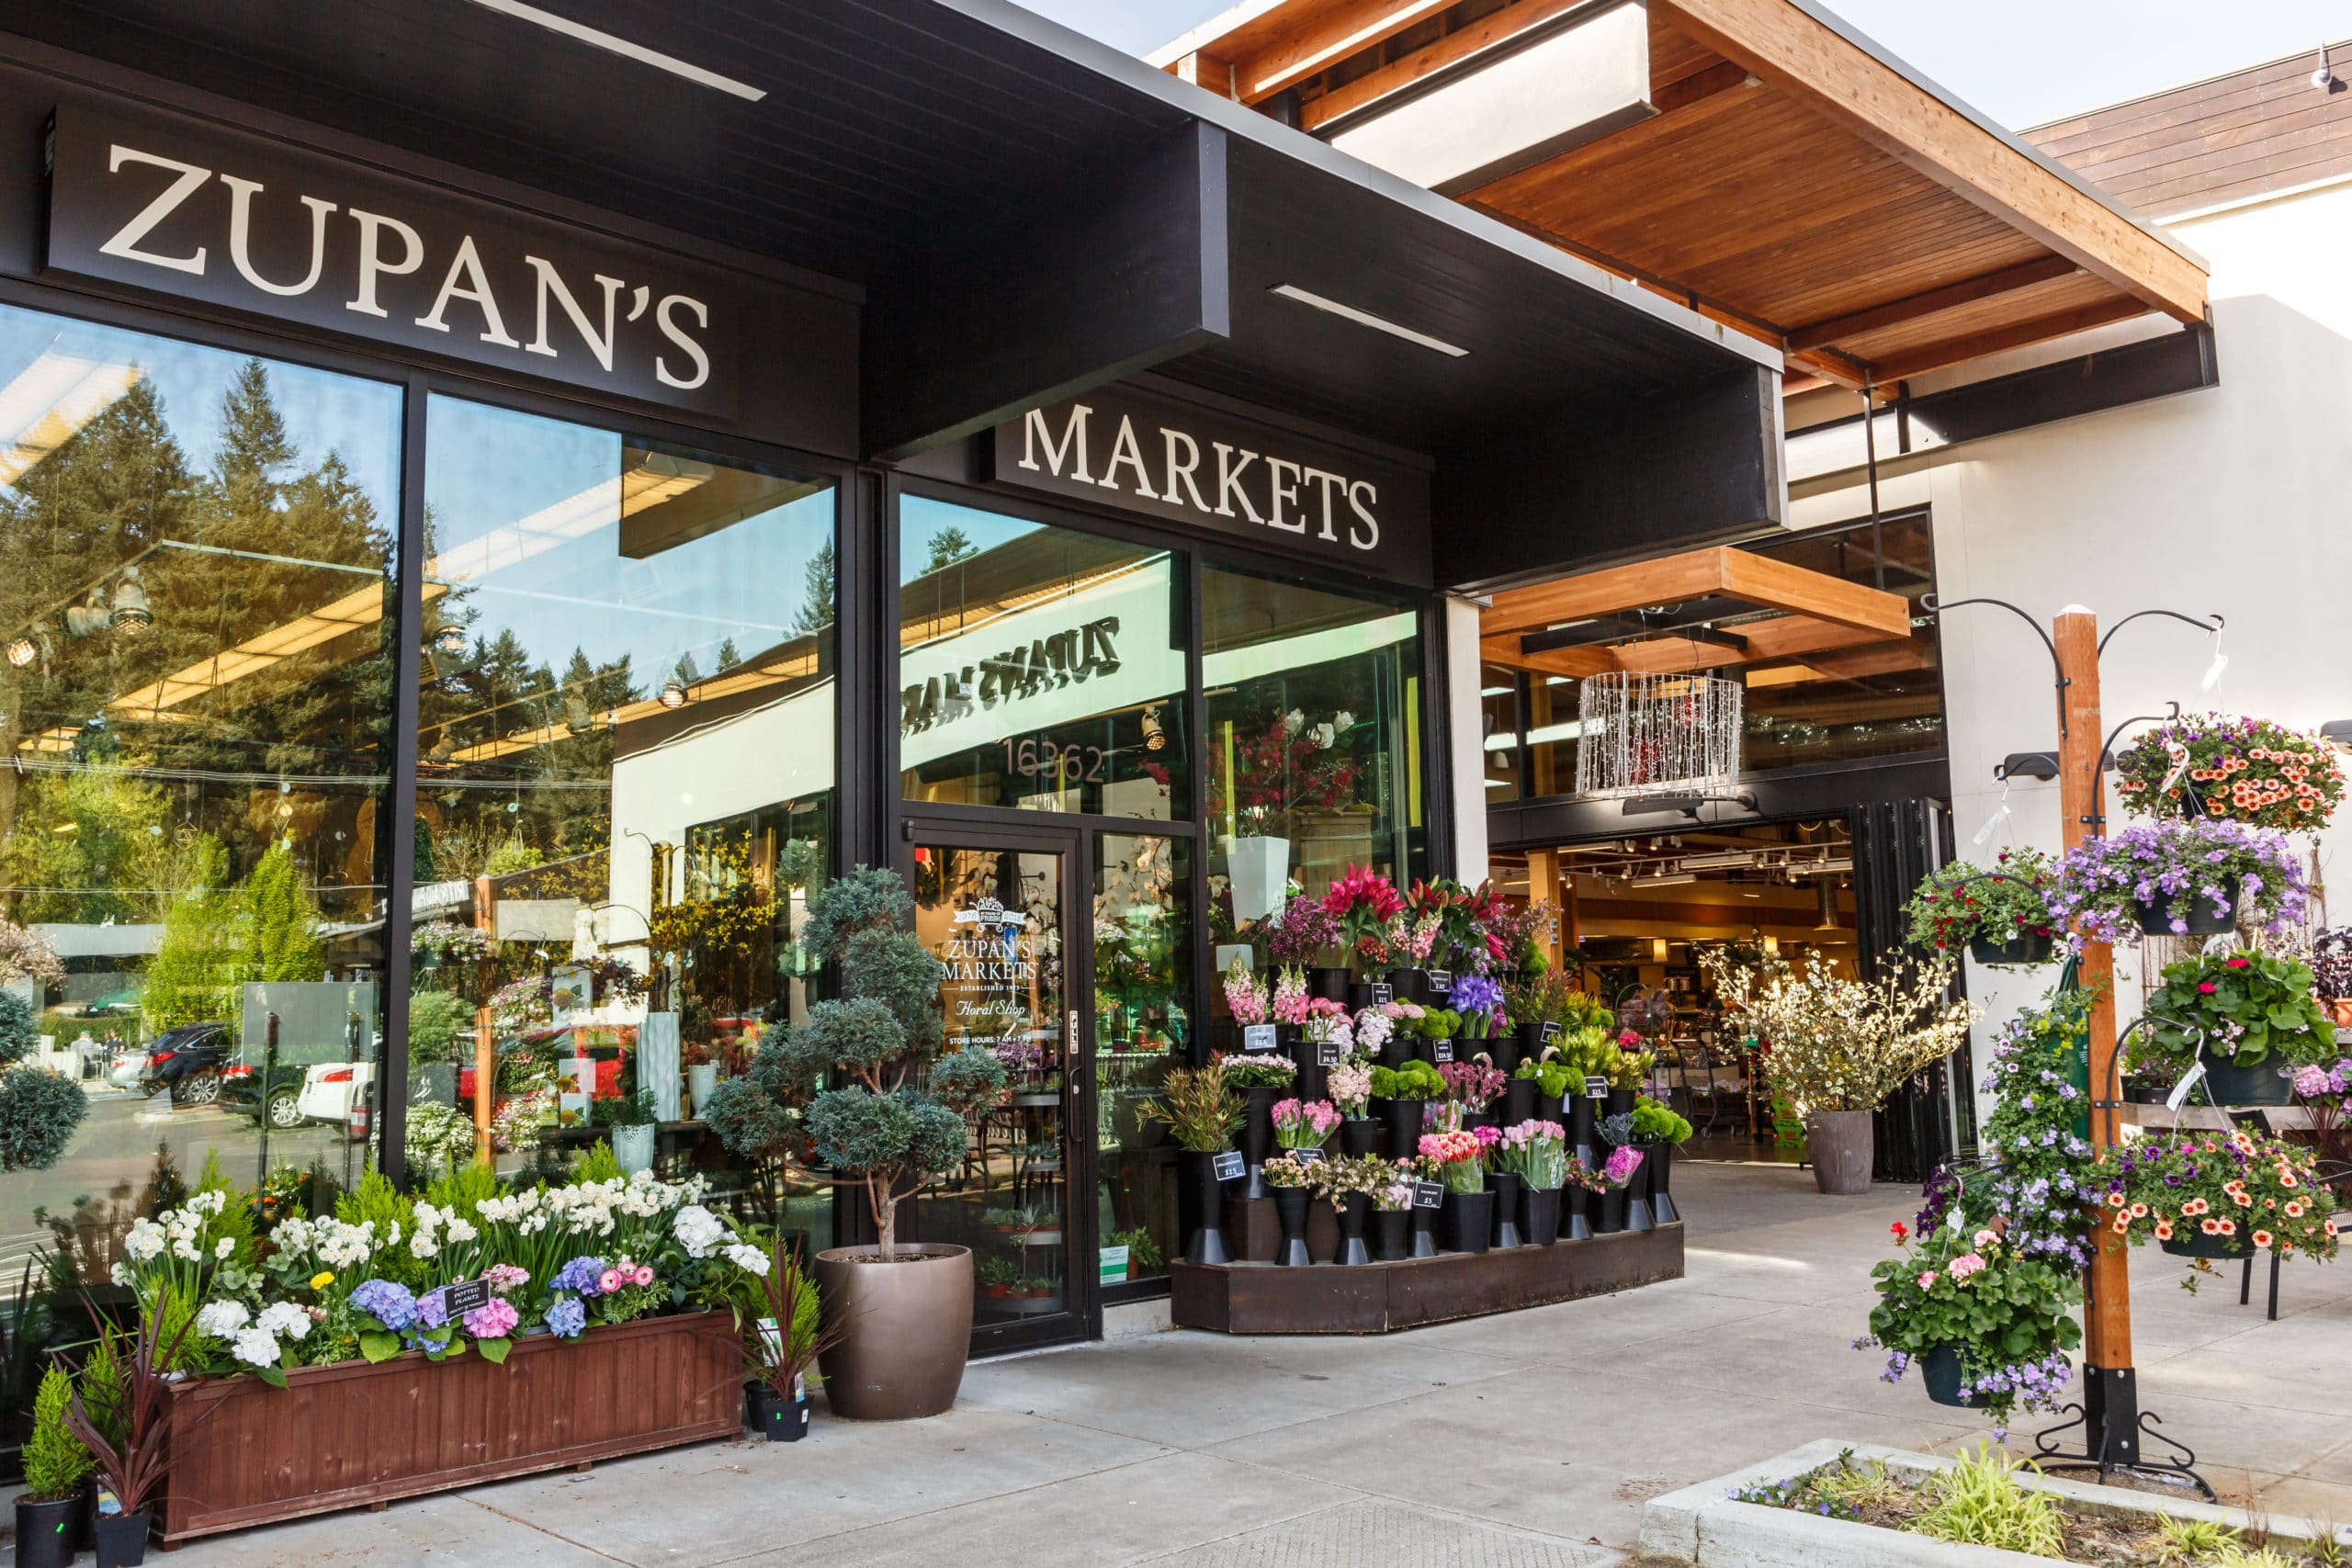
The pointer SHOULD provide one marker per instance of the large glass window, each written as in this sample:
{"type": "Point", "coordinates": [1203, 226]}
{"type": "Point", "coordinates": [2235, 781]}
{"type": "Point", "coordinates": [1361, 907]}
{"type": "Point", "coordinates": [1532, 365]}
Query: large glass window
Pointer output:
{"type": "Point", "coordinates": [1038, 667]}
{"type": "Point", "coordinates": [1498, 731]}
{"type": "Point", "coordinates": [1143, 1023]}
{"type": "Point", "coordinates": [1313, 731]}
{"type": "Point", "coordinates": [624, 787]}
{"type": "Point", "coordinates": [196, 695]}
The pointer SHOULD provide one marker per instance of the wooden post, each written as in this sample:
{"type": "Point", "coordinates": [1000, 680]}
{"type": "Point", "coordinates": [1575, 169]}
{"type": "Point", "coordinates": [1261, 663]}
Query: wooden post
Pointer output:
{"type": "Point", "coordinates": [1543, 887]}
{"type": "Point", "coordinates": [2107, 1314]}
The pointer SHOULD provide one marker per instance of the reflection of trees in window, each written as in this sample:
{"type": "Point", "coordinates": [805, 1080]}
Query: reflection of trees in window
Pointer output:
{"type": "Point", "coordinates": [816, 611]}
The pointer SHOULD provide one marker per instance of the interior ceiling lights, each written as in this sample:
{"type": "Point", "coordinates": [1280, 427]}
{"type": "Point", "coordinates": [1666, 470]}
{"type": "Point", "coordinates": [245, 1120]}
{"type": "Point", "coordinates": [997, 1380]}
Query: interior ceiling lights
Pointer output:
{"type": "Point", "coordinates": [1645, 735]}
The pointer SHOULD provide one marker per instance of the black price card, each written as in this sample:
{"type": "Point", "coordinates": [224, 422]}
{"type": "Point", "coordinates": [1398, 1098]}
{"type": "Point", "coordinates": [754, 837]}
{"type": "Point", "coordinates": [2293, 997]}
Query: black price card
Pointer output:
{"type": "Point", "coordinates": [1383, 993]}
{"type": "Point", "coordinates": [1550, 1032]}
{"type": "Point", "coordinates": [1228, 1166]}
{"type": "Point", "coordinates": [468, 1294]}
{"type": "Point", "coordinates": [1441, 1049]}
{"type": "Point", "coordinates": [1429, 1195]}
{"type": "Point", "coordinates": [1329, 1054]}
{"type": "Point", "coordinates": [1257, 1037]}
{"type": "Point", "coordinates": [1306, 1157]}
{"type": "Point", "coordinates": [1441, 982]}
{"type": "Point", "coordinates": [1596, 1088]}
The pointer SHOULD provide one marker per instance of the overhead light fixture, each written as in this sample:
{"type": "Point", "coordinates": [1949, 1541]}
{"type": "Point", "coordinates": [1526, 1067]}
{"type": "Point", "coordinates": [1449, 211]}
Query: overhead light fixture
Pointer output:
{"type": "Point", "coordinates": [1155, 736]}
{"type": "Point", "coordinates": [1657, 949]}
{"type": "Point", "coordinates": [1364, 318]}
{"type": "Point", "coordinates": [1723, 861]}
{"type": "Point", "coordinates": [1772, 947]}
{"type": "Point", "coordinates": [673, 693]}
{"type": "Point", "coordinates": [1665, 879]}
{"type": "Point", "coordinates": [2324, 78]}
{"type": "Point", "coordinates": [622, 46]}
{"type": "Point", "coordinates": [132, 612]}
{"type": "Point", "coordinates": [450, 639]}
{"type": "Point", "coordinates": [22, 651]}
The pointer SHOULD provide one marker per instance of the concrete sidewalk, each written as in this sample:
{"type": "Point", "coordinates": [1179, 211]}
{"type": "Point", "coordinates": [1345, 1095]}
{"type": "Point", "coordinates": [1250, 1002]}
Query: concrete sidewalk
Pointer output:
{"type": "Point", "coordinates": [1530, 1441]}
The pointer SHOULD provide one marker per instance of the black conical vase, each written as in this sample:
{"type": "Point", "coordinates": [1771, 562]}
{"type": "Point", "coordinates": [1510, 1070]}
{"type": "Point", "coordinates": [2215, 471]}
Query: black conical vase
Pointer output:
{"type": "Point", "coordinates": [1501, 1052]}
{"type": "Point", "coordinates": [1359, 1136]}
{"type": "Point", "coordinates": [1469, 1220]}
{"type": "Point", "coordinates": [1611, 1217]}
{"type": "Point", "coordinates": [1355, 1212]}
{"type": "Point", "coordinates": [1576, 1213]}
{"type": "Point", "coordinates": [1391, 1236]}
{"type": "Point", "coordinates": [1308, 1085]}
{"type": "Point", "coordinates": [1621, 1100]}
{"type": "Point", "coordinates": [1539, 1214]}
{"type": "Point", "coordinates": [1638, 1216]}
{"type": "Point", "coordinates": [1581, 1135]}
{"type": "Point", "coordinates": [1330, 984]}
{"type": "Point", "coordinates": [1661, 1163]}
{"type": "Point", "coordinates": [1548, 1107]}
{"type": "Point", "coordinates": [1257, 1136]}
{"type": "Point", "coordinates": [1203, 1196]}
{"type": "Point", "coordinates": [1423, 1232]}
{"type": "Point", "coordinates": [1519, 1101]}
{"type": "Point", "coordinates": [1401, 1127]}
{"type": "Point", "coordinates": [1290, 1208]}
{"type": "Point", "coordinates": [1503, 1186]}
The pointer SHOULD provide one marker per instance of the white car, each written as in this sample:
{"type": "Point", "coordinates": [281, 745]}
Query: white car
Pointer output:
{"type": "Point", "coordinates": [331, 1088]}
{"type": "Point", "coordinates": [128, 1068]}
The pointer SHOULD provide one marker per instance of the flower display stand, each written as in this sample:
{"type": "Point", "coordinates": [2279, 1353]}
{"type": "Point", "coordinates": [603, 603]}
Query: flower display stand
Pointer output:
{"type": "Point", "coordinates": [1379, 1298]}
{"type": "Point", "coordinates": [356, 1433]}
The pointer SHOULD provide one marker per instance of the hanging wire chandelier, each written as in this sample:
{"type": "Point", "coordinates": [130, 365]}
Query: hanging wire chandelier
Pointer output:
{"type": "Point", "coordinates": [1644, 734]}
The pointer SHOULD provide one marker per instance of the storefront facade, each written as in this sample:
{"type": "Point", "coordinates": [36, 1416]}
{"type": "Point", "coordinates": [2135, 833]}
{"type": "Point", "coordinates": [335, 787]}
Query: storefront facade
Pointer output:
{"type": "Point", "coordinates": [452, 627]}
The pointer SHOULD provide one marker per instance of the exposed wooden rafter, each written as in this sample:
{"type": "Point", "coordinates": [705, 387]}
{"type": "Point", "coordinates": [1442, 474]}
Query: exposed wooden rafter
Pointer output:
{"type": "Point", "coordinates": [1935, 301]}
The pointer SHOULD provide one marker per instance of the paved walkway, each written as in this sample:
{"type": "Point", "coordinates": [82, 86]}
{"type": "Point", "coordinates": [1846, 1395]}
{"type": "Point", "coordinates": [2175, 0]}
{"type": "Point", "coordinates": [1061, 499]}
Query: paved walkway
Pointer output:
{"type": "Point", "coordinates": [1529, 1440]}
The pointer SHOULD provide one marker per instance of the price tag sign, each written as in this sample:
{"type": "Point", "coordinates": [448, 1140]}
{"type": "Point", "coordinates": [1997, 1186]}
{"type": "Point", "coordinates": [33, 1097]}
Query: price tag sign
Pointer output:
{"type": "Point", "coordinates": [1429, 1195]}
{"type": "Point", "coordinates": [1306, 1157]}
{"type": "Point", "coordinates": [1441, 1049]}
{"type": "Point", "coordinates": [1550, 1032]}
{"type": "Point", "coordinates": [1441, 982]}
{"type": "Point", "coordinates": [1383, 993]}
{"type": "Point", "coordinates": [1596, 1088]}
{"type": "Point", "coordinates": [1329, 1054]}
{"type": "Point", "coordinates": [468, 1294]}
{"type": "Point", "coordinates": [1257, 1037]}
{"type": "Point", "coordinates": [2188, 1084]}
{"type": "Point", "coordinates": [1228, 1166]}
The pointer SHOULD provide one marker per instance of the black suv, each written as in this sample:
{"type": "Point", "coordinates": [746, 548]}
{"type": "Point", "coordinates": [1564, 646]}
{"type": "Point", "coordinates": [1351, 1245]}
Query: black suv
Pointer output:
{"type": "Point", "coordinates": [188, 1061]}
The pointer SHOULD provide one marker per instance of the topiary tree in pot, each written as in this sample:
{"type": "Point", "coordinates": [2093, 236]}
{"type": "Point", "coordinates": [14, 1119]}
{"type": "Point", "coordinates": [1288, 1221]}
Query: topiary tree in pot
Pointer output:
{"type": "Point", "coordinates": [886, 1109]}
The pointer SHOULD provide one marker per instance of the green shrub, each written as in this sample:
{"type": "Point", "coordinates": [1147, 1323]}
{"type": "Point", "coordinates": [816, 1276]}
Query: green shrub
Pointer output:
{"type": "Point", "coordinates": [20, 1030]}
{"type": "Point", "coordinates": [438, 1022]}
{"type": "Point", "coordinates": [1977, 1502]}
{"type": "Point", "coordinates": [39, 1114]}
{"type": "Point", "coordinates": [54, 1459]}
{"type": "Point", "coordinates": [596, 1162]}
{"type": "Point", "coordinates": [1658, 1124]}
{"type": "Point", "coordinates": [1414, 1080]}
{"type": "Point", "coordinates": [378, 1200]}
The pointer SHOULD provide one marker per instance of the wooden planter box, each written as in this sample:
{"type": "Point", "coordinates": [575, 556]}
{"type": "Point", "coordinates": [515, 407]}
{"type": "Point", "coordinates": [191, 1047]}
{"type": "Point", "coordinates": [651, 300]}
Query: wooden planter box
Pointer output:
{"type": "Point", "coordinates": [346, 1436]}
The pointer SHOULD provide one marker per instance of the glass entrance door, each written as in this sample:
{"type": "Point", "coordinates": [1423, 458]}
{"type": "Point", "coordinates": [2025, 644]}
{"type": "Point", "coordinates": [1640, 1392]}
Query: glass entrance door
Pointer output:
{"type": "Point", "coordinates": [993, 905]}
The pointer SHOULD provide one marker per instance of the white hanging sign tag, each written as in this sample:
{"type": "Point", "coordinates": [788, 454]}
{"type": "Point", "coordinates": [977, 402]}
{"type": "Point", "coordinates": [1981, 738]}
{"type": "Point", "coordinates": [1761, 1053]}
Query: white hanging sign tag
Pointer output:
{"type": "Point", "coordinates": [2188, 1080]}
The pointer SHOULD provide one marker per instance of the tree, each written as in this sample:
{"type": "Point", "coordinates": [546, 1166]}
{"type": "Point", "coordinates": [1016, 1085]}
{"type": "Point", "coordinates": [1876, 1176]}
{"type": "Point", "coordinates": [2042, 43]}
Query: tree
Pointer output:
{"type": "Point", "coordinates": [281, 924]}
{"type": "Point", "coordinates": [198, 957]}
{"type": "Point", "coordinates": [816, 606]}
{"type": "Point", "coordinates": [949, 546]}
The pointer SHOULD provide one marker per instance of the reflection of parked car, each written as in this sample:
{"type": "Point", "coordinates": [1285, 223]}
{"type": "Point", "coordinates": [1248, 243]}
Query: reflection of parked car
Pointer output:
{"type": "Point", "coordinates": [188, 1061]}
{"type": "Point", "coordinates": [128, 1068]}
{"type": "Point", "coordinates": [329, 1092]}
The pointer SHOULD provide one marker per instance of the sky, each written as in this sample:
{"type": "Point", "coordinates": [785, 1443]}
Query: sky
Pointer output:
{"type": "Point", "coordinates": [2024, 63]}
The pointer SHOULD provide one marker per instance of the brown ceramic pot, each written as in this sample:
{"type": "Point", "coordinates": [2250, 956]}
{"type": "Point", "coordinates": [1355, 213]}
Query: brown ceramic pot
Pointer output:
{"type": "Point", "coordinates": [909, 1329]}
{"type": "Point", "coordinates": [1839, 1144]}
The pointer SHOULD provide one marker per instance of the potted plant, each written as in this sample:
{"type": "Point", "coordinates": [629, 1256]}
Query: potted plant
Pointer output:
{"type": "Point", "coordinates": [1579, 1183]}
{"type": "Point", "coordinates": [1549, 1084]}
{"type": "Point", "coordinates": [1201, 1109]}
{"type": "Point", "coordinates": [1325, 1027]}
{"type": "Point", "coordinates": [1349, 1184]}
{"type": "Point", "coordinates": [1988, 1326]}
{"type": "Point", "coordinates": [1362, 903]}
{"type": "Point", "coordinates": [1400, 1099]}
{"type": "Point", "coordinates": [2244, 769]}
{"type": "Point", "coordinates": [2216, 1195]}
{"type": "Point", "coordinates": [1304, 1123]}
{"type": "Point", "coordinates": [1840, 1047]}
{"type": "Point", "coordinates": [631, 1119]}
{"type": "Point", "coordinates": [1247, 997]}
{"type": "Point", "coordinates": [2003, 916]}
{"type": "Point", "coordinates": [1658, 1128]}
{"type": "Point", "coordinates": [780, 1358]}
{"type": "Point", "coordinates": [128, 1429]}
{"type": "Point", "coordinates": [702, 1072]}
{"type": "Point", "coordinates": [1350, 1087]}
{"type": "Point", "coordinates": [1610, 1179]}
{"type": "Point", "coordinates": [1292, 1185]}
{"type": "Point", "coordinates": [2251, 1017]}
{"type": "Point", "coordinates": [1458, 1154]}
{"type": "Point", "coordinates": [1476, 1086]}
{"type": "Point", "coordinates": [1616, 1134]}
{"type": "Point", "coordinates": [55, 1464]}
{"type": "Point", "coordinates": [1306, 936]}
{"type": "Point", "coordinates": [889, 1117]}
{"type": "Point", "coordinates": [2181, 878]}
{"type": "Point", "coordinates": [994, 1276]}
{"type": "Point", "coordinates": [1535, 1156]}
{"type": "Point", "coordinates": [1259, 1078]}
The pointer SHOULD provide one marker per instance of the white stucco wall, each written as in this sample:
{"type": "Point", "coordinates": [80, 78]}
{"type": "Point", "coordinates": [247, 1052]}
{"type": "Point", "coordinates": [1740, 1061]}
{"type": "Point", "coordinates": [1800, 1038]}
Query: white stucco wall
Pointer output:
{"type": "Point", "coordinates": [1466, 739]}
{"type": "Point", "coordinates": [2235, 500]}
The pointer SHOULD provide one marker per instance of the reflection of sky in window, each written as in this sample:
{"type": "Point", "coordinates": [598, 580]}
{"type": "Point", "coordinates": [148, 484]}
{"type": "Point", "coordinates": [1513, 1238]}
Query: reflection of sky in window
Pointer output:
{"type": "Point", "coordinates": [322, 411]}
{"type": "Point", "coordinates": [921, 518]}
{"type": "Point", "coordinates": [563, 583]}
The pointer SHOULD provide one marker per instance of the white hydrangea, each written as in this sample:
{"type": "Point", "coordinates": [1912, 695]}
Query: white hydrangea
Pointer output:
{"type": "Point", "coordinates": [219, 1320]}
{"type": "Point", "coordinates": [285, 1318]}
{"type": "Point", "coordinates": [698, 1230]}
{"type": "Point", "coordinates": [255, 1347]}
{"type": "Point", "coordinates": [750, 1259]}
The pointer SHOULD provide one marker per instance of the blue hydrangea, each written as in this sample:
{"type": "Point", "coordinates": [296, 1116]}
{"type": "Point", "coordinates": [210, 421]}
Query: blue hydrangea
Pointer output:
{"type": "Point", "coordinates": [579, 1276]}
{"type": "Point", "coordinates": [567, 1317]}
{"type": "Point", "coordinates": [387, 1302]}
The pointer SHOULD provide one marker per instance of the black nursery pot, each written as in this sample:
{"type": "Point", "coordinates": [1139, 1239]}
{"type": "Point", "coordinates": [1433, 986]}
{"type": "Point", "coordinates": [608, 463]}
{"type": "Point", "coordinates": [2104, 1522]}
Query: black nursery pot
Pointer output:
{"type": "Point", "coordinates": [1201, 1208]}
{"type": "Point", "coordinates": [1529, 1038]}
{"type": "Point", "coordinates": [1503, 1186]}
{"type": "Point", "coordinates": [1661, 1166]}
{"type": "Point", "coordinates": [1359, 1136]}
{"type": "Point", "coordinates": [1581, 1126]}
{"type": "Point", "coordinates": [1638, 1214]}
{"type": "Point", "coordinates": [122, 1540]}
{"type": "Point", "coordinates": [779, 1419]}
{"type": "Point", "coordinates": [1309, 1084]}
{"type": "Point", "coordinates": [1355, 1213]}
{"type": "Point", "coordinates": [1469, 1220]}
{"type": "Point", "coordinates": [1547, 1108]}
{"type": "Point", "coordinates": [1358, 995]}
{"type": "Point", "coordinates": [1621, 1100]}
{"type": "Point", "coordinates": [1392, 1234]}
{"type": "Point", "coordinates": [2157, 920]}
{"type": "Point", "coordinates": [45, 1531]}
{"type": "Point", "coordinates": [1612, 1218]}
{"type": "Point", "coordinates": [1488, 1118]}
{"type": "Point", "coordinates": [2023, 952]}
{"type": "Point", "coordinates": [1519, 1101]}
{"type": "Point", "coordinates": [1501, 1051]}
{"type": "Point", "coordinates": [1575, 1214]}
{"type": "Point", "coordinates": [1395, 1051]}
{"type": "Point", "coordinates": [1257, 1136]}
{"type": "Point", "coordinates": [1290, 1208]}
{"type": "Point", "coordinates": [1939, 1370]}
{"type": "Point", "coordinates": [1410, 985]}
{"type": "Point", "coordinates": [1331, 984]}
{"type": "Point", "coordinates": [1539, 1214]}
{"type": "Point", "coordinates": [1424, 1232]}
{"type": "Point", "coordinates": [2261, 1085]}
{"type": "Point", "coordinates": [1400, 1124]}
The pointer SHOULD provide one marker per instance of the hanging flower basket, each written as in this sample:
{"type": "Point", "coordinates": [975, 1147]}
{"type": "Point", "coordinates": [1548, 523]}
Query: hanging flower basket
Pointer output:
{"type": "Point", "coordinates": [2229, 767]}
{"type": "Point", "coordinates": [2213, 874]}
